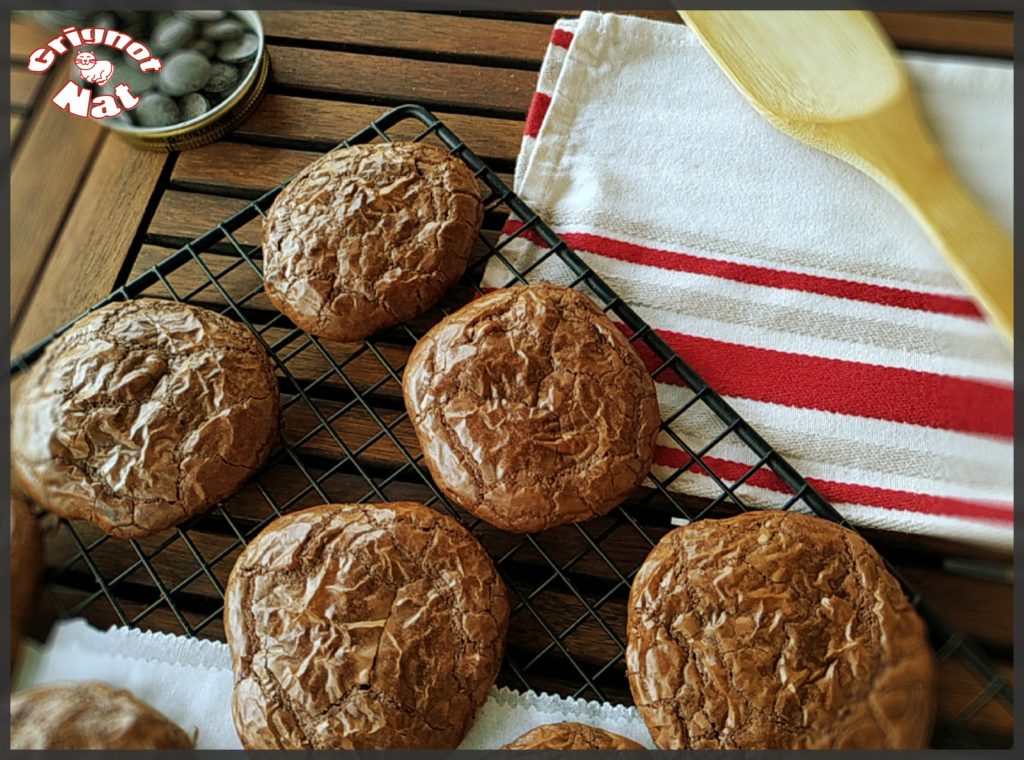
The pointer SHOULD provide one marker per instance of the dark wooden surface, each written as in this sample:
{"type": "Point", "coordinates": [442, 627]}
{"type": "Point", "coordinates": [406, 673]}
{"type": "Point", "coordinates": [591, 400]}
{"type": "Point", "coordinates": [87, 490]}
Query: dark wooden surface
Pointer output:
{"type": "Point", "coordinates": [89, 212]}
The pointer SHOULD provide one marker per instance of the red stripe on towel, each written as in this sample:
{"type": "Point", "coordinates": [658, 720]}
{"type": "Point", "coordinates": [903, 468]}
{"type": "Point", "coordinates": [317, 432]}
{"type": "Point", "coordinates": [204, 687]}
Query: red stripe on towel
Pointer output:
{"type": "Point", "coordinates": [538, 110]}
{"type": "Point", "coordinates": [561, 37]}
{"type": "Point", "coordinates": [844, 493]}
{"type": "Point", "coordinates": [842, 387]}
{"type": "Point", "coordinates": [763, 276]}
{"type": "Point", "coordinates": [839, 386]}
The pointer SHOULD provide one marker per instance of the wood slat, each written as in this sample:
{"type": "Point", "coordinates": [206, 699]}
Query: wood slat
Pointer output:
{"type": "Point", "coordinates": [228, 167]}
{"type": "Point", "coordinates": [667, 15]}
{"type": "Point", "coordinates": [95, 239]}
{"type": "Point", "coordinates": [908, 544]}
{"type": "Point", "coordinates": [190, 277]}
{"type": "Point", "coordinates": [102, 615]}
{"type": "Point", "coordinates": [239, 167]}
{"type": "Point", "coordinates": [24, 87]}
{"type": "Point", "coordinates": [957, 688]}
{"type": "Point", "coordinates": [479, 89]}
{"type": "Point", "coordinates": [16, 121]}
{"type": "Point", "coordinates": [25, 38]}
{"type": "Point", "coordinates": [399, 32]}
{"type": "Point", "coordinates": [950, 32]}
{"type": "Point", "coordinates": [981, 608]}
{"type": "Point", "coordinates": [52, 160]}
{"type": "Point", "coordinates": [322, 124]}
{"type": "Point", "coordinates": [187, 215]}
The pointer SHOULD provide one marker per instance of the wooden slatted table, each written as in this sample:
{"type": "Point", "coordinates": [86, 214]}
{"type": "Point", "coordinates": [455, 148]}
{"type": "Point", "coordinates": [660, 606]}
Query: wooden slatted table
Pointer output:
{"type": "Point", "coordinates": [88, 212]}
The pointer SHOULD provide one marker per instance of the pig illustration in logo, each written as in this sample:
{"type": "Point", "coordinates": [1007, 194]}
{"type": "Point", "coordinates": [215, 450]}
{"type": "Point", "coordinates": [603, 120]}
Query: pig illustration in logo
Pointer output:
{"type": "Point", "coordinates": [97, 72]}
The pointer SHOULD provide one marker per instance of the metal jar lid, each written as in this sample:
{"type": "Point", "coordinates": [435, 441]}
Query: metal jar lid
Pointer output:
{"type": "Point", "coordinates": [218, 121]}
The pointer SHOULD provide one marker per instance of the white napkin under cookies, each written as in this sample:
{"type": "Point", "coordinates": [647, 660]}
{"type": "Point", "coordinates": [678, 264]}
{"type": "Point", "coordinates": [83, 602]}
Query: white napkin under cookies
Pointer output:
{"type": "Point", "coordinates": [190, 681]}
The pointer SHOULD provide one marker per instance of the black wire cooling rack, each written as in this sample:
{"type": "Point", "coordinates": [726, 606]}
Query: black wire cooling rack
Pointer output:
{"type": "Point", "coordinates": [346, 437]}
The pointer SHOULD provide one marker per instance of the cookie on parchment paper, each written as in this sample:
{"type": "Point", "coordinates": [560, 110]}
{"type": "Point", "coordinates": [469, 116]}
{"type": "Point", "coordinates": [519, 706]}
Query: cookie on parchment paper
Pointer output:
{"type": "Point", "coordinates": [363, 626]}
{"type": "Point", "coordinates": [90, 715]}
{"type": "Point", "coordinates": [571, 736]}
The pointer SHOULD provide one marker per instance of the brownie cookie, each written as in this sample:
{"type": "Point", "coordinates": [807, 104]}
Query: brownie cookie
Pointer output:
{"type": "Point", "coordinates": [363, 626]}
{"type": "Point", "coordinates": [774, 630]}
{"type": "Point", "coordinates": [26, 567]}
{"type": "Point", "coordinates": [142, 414]}
{"type": "Point", "coordinates": [571, 736]}
{"type": "Point", "coordinates": [369, 236]}
{"type": "Point", "coordinates": [90, 715]}
{"type": "Point", "coordinates": [532, 409]}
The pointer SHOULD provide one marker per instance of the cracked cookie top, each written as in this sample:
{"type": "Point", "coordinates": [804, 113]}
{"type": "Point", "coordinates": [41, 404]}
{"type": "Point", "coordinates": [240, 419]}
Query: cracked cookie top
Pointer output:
{"type": "Point", "coordinates": [531, 408]}
{"type": "Point", "coordinates": [571, 736]}
{"type": "Point", "coordinates": [363, 626]}
{"type": "Point", "coordinates": [369, 236]}
{"type": "Point", "coordinates": [774, 630]}
{"type": "Point", "coordinates": [144, 413]}
{"type": "Point", "coordinates": [90, 715]}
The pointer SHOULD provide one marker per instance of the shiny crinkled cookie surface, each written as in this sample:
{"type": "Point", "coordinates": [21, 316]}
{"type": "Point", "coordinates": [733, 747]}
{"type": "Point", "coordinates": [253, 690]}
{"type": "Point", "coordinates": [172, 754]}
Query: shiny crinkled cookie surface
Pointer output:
{"type": "Point", "coordinates": [571, 735]}
{"type": "Point", "coordinates": [363, 626]}
{"type": "Point", "coordinates": [532, 409]}
{"type": "Point", "coordinates": [142, 414]}
{"type": "Point", "coordinates": [773, 630]}
{"type": "Point", "coordinates": [369, 236]}
{"type": "Point", "coordinates": [90, 715]}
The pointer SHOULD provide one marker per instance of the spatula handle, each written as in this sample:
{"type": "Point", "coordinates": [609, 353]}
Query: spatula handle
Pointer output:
{"type": "Point", "coordinates": [900, 153]}
{"type": "Point", "coordinates": [976, 247]}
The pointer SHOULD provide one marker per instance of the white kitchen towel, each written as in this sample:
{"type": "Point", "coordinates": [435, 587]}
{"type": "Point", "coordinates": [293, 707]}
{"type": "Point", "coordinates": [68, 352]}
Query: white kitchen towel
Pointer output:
{"type": "Point", "coordinates": [796, 286]}
{"type": "Point", "coordinates": [189, 681]}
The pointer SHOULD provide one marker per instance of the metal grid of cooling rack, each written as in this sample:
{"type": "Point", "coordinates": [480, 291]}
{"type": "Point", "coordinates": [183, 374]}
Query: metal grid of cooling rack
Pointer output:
{"type": "Point", "coordinates": [346, 437]}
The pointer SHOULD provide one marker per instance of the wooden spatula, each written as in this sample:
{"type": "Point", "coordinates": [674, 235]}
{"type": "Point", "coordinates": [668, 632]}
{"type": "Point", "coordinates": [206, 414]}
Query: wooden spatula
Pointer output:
{"type": "Point", "coordinates": [831, 79]}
